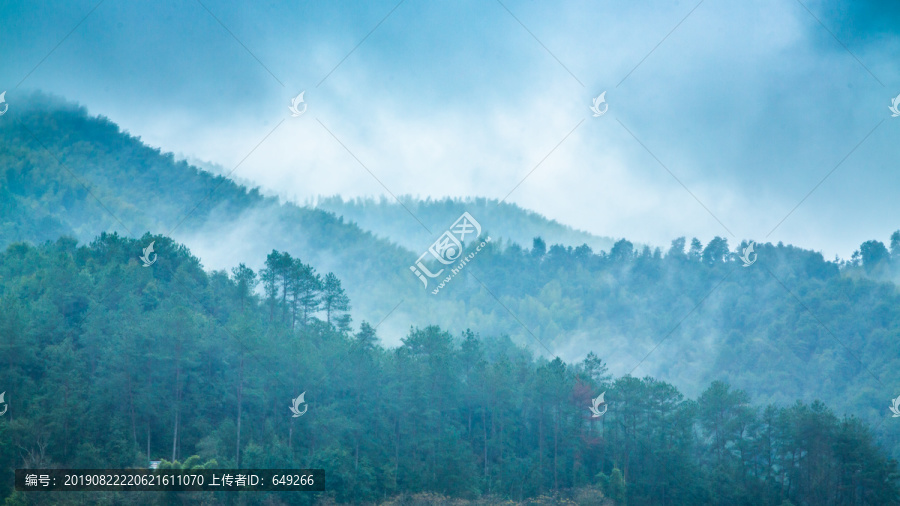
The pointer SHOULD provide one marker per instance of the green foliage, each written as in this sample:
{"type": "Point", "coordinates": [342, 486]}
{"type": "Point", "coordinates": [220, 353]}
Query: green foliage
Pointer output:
{"type": "Point", "coordinates": [191, 463]}
{"type": "Point", "coordinates": [613, 486]}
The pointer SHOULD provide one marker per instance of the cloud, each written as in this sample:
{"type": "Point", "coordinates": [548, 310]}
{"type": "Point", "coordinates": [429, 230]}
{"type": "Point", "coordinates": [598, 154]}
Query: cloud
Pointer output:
{"type": "Point", "coordinates": [735, 116]}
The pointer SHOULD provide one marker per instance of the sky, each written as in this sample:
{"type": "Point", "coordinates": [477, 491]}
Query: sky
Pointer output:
{"type": "Point", "coordinates": [765, 120]}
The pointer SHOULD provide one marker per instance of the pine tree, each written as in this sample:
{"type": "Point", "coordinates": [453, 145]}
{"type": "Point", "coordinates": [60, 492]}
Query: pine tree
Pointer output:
{"type": "Point", "coordinates": [335, 301]}
{"type": "Point", "coordinates": [246, 282]}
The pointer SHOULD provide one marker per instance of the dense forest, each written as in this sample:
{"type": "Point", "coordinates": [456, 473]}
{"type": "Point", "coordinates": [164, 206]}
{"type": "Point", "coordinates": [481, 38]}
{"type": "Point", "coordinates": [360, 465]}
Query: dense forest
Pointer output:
{"type": "Point", "coordinates": [111, 364]}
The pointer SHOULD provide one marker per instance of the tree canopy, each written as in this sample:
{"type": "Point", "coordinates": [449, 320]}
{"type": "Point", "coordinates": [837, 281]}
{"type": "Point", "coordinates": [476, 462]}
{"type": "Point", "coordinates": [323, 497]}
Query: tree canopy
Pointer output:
{"type": "Point", "coordinates": [111, 364]}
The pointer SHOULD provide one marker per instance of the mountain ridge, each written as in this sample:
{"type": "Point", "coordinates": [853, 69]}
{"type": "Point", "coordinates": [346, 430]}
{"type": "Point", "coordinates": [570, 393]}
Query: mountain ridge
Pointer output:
{"type": "Point", "coordinates": [690, 315]}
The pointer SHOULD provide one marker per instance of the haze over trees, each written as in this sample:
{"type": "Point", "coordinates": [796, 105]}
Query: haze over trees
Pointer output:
{"type": "Point", "coordinates": [111, 364]}
{"type": "Point", "coordinates": [388, 219]}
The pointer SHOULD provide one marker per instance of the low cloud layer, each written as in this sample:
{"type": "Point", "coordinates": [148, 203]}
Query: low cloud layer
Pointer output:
{"type": "Point", "coordinates": [723, 126]}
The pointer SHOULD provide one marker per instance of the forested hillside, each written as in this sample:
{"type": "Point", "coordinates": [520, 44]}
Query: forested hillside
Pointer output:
{"type": "Point", "coordinates": [787, 326]}
{"type": "Point", "coordinates": [111, 364]}
{"type": "Point", "coordinates": [64, 172]}
{"type": "Point", "coordinates": [792, 326]}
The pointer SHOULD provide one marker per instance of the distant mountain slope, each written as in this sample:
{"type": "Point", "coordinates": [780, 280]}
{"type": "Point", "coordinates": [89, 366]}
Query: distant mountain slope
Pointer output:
{"type": "Point", "coordinates": [387, 218]}
{"type": "Point", "coordinates": [67, 173]}
{"type": "Point", "coordinates": [63, 172]}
